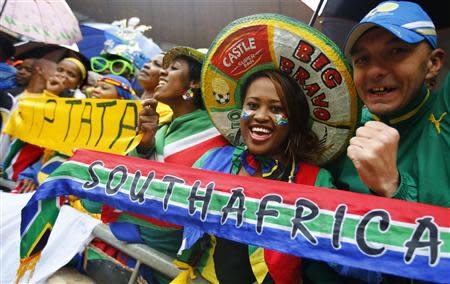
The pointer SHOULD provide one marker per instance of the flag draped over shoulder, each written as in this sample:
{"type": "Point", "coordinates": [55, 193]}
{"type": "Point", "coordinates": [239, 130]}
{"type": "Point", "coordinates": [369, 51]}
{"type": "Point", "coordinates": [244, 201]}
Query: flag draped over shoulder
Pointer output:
{"type": "Point", "coordinates": [187, 138]}
{"type": "Point", "coordinates": [390, 236]}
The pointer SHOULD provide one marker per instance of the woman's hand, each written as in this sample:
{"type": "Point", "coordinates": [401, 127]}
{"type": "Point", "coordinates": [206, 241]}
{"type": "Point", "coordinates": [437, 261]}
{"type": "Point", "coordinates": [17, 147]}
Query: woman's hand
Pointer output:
{"type": "Point", "coordinates": [148, 125]}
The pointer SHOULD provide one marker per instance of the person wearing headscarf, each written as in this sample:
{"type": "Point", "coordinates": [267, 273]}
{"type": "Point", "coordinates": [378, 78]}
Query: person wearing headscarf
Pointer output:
{"type": "Point", "coordinates": [113, 87]}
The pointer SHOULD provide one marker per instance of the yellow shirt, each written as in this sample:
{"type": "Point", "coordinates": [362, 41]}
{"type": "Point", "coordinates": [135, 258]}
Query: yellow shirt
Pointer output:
{"type": "Point", "coordinates": [27, 94]}
{"type": "Point", "coordinates": [165, 113]}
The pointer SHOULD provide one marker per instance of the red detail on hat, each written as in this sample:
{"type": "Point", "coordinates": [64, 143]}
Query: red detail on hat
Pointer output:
{"type": "Point", "coordinates": [243, 50]}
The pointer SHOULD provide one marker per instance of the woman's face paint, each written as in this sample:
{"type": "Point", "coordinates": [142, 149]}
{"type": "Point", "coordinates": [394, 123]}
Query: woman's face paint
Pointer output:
{"type": "Point", "coordinates": [246, 114]}
{"type": "Point", "coordinates": [281, 119]}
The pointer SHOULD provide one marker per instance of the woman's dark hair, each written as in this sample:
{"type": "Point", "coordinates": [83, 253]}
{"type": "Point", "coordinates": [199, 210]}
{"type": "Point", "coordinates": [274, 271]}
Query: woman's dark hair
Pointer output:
{"type": "Point", "coordinates": [195, 69]}
{"type": "Point", "coordinates": [302, 144]}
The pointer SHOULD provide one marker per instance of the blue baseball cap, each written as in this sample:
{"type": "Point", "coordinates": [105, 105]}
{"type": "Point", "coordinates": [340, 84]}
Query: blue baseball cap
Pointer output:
{"type": "Point", "coordinates": [406, 20]}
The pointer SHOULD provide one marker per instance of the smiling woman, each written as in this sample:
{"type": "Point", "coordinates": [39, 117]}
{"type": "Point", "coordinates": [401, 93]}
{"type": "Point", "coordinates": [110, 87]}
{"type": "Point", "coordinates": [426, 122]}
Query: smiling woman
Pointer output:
{"type": "Point", "coordinates": [183, 140]}
{"type": "Point", "coordinates": [278, 142]}
{"type": "Point", "coordinates": [191, 132]}
{"type": "Point", "coordinates": [261, 93]}
{"type": "Point", "coordinates": [270, 97]}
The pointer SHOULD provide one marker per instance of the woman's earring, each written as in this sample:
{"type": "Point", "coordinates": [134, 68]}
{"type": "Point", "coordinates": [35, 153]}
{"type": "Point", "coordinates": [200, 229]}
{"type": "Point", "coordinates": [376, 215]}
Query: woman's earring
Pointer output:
{"type": "Point", "coordinates": [188, 95]}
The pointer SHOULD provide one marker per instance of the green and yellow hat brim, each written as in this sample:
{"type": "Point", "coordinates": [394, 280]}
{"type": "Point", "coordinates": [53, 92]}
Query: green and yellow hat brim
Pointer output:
{"type": "Point", "coordinates": [182, 51]}
{"type": "Point", "coordinates": [271, 41]}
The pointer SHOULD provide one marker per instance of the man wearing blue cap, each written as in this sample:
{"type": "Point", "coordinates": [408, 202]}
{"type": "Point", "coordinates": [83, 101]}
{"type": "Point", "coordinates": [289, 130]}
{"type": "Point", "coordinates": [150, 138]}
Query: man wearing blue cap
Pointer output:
{"type": "Point", "coordinates": [402, 148]}
{"type": "Point", "coordinates": [401, 151]}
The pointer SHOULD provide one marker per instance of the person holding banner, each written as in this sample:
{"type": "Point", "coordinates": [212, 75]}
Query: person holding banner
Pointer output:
{"type": "Point", "coordinates": [16, 150]}
{"type": "Point", "coordinates": [401, 149]}
{"type": "Point", "coordinates": [287, 106]}
{"type": "Point", "coordinates": [189, 135]}
{"type": "Point", "coordinates": [109, 86]}
{"type": "Point", "coordinates": [279, 145]}
{"type": "Point", "coordinates": [148, 78]}
{"type": "Point", "coordinates": [70, 75]}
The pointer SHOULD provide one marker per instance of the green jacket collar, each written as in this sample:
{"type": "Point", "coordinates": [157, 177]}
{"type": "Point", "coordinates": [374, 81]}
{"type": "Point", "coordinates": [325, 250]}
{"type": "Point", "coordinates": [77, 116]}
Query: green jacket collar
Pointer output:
{"type": "Point", "coordinates": [414, 110]}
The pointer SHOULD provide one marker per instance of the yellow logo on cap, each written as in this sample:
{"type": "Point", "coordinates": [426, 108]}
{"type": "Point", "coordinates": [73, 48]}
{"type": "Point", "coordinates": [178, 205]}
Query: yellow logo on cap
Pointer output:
{"type": "Point", "coordinates": [387, 7]}
{"type": "Point", "coordinates": [383, 8]}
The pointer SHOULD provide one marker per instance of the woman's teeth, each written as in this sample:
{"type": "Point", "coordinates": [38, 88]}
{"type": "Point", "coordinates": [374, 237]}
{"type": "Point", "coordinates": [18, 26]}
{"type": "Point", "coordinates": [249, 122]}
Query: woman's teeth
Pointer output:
{"type": "Point", "coordinates": [261, 130]}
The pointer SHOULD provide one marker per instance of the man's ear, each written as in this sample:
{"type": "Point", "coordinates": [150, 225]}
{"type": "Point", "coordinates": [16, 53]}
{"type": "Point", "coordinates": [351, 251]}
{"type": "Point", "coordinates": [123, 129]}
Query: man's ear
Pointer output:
{"type": "Point", "coordinates": [435, 62]}
{"type": "Point", "coordinates": [39, 70]}
{"type": "Point", "coordinates": [194, 85]}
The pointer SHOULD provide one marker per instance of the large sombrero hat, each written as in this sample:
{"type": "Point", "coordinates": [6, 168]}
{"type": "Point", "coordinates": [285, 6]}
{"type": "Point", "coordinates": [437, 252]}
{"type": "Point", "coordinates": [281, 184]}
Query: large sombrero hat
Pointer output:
{"type": "Point", "coordinates": [271, 41]}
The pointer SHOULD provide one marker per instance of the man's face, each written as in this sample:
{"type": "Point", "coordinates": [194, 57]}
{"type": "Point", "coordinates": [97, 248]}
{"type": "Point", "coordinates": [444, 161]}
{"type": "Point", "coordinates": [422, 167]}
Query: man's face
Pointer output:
{"type": "Point", "coordinates": [388, 72]}
{"type": "Point", "coordinates": [24, 70]}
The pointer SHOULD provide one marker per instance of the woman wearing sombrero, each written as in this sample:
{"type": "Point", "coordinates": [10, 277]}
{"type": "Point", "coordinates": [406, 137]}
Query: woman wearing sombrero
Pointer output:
{"type": "Point", "coordinates": [257, 101]}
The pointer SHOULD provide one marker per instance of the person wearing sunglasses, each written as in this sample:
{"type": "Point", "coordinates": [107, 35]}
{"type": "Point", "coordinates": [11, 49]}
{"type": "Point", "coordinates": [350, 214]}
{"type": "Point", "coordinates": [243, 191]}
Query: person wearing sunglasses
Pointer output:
{"type": "Point", "coordinates": [113, 64]}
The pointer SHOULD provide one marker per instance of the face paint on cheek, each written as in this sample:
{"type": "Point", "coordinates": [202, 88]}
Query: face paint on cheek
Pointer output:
{"type": "Point", "coordinates": [281, 119]}
{"type": "Point", "coordinates": [245, 115]}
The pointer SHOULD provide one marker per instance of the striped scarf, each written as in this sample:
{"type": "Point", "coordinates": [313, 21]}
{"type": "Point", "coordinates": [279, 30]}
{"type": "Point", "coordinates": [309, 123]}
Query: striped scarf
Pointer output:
{"type": "Point", "coordinates": [270, 168]}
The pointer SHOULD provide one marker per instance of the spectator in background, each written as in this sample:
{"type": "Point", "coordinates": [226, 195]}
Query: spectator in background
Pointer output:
{"type": "Point", "coordinates": [113, 64]}
{"type": "Point", "coordinates": [7, 71]}
{"type": "Point", "coordinates": [179, 88]}
{"type": "Point", "coordinates": [148, 78]}
{"type": "Point", "coordinates": [24, 68]}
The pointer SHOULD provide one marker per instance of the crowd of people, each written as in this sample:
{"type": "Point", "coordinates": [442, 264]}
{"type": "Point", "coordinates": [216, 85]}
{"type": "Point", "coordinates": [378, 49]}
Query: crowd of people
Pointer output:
{"type": "Point", "coordinates": [398, 149]}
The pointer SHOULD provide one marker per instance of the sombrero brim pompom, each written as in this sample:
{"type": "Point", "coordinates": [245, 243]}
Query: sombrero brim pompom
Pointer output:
{"type": "Point", "coordinates": [271, 41]}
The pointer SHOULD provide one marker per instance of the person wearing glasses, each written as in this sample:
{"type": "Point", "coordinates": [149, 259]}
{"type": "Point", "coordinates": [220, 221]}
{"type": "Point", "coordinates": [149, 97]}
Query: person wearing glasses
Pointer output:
{"type": "Point", "coordinates": [113, 64]}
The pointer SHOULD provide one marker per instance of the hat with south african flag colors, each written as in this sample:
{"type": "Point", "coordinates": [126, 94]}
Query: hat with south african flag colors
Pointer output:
{"type": "Point", "coordinates": [272, 41]}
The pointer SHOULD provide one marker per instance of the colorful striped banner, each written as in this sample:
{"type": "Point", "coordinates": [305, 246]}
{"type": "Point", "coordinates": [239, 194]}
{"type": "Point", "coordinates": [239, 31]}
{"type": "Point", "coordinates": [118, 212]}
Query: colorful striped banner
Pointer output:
{"type": "Point", "coordinates": [390, 236]}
